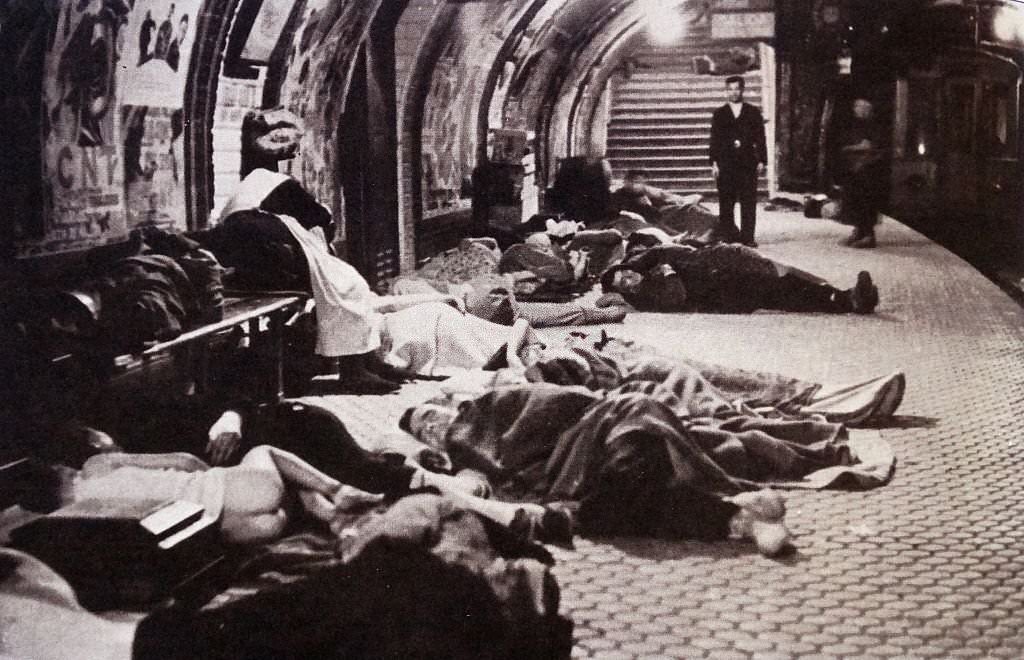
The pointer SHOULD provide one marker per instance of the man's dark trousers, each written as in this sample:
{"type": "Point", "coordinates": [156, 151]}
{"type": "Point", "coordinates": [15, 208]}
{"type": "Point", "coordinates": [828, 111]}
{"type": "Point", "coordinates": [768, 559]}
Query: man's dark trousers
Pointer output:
{"type": "Point", "coordinates": [739, 185]}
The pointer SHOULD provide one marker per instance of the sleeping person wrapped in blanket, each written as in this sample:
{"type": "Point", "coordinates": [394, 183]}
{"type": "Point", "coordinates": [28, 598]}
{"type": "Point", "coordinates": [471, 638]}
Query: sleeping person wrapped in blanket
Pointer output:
{"type": "Point", "coordinates": [621, 442]}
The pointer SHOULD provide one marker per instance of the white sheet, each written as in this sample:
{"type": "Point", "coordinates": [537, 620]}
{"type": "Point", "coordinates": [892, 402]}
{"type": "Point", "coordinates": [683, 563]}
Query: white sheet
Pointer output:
{"type": "Point", "coordinates": [346, 321]}
{"type": "Point", "coordinates": [436, 339]}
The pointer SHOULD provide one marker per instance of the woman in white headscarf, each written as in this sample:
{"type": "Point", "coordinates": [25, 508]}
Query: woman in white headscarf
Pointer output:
{"type": "Point", "coordinates": [378, 340]}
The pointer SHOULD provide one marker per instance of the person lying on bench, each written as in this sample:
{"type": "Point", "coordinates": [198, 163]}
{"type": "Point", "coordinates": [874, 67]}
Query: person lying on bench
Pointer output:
{"type": "Point", "coordinates": [275, 241]}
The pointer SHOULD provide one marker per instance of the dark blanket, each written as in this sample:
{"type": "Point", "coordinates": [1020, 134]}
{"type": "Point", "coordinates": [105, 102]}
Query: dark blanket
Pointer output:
{"type": "Point", "coordinates": [551, 442]}
{"type": "Point", "coordinates": [417, 580]}
{"type": "Point", "coordinates": [142, 298]}
{"type": "Point", "coordinates": [259, 251]}
{"type": "Point", "coordinates": [635, 442]}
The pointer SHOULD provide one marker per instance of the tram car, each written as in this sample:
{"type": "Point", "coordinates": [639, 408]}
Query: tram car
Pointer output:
{"type": "Point", "coordinates": [957, 126]}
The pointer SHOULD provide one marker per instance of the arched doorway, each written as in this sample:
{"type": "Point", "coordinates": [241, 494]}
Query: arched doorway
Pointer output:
{"type": "Point", "coordinates": [367, 144]}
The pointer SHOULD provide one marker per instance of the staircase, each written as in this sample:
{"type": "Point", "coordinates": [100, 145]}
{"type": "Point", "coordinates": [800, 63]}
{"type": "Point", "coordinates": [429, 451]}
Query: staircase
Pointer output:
{"type": "Point", "coordinates": [660, 117]}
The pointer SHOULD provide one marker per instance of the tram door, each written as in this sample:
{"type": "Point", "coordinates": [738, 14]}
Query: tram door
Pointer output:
{"type": "Point", "coordinates": [980, 169]}
{"type": "Point", "coordinates": [958, 170]}
{"type": "Point", "coordinates": [998, 123]}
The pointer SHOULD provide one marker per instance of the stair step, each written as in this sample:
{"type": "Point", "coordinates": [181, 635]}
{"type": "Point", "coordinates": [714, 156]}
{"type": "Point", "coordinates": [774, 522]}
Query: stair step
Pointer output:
{"type": "Point", "coordinates": [697, 155]}
{"type": "Point", "coordinates": [674, 156]}
{"type": "Point", "coordinates": [676, 87]}
{"type": "Point", "coordinates": [658, 151]}
{"type": "Point", "coordinates": [647, 140]}
{"type": "Point", "coordinates": [665, 164]}
{"type": "Point", "coordinates": [666, 134]}
{"type": "Point", "coordinates": [681, 91]}
{"type": "Point", "coordinates": [648, 112]}
{"type": "Point", "coordinates": [677, 137]}
{"type": "Point", "coordinates": [695, 164]}
{"type": "Point", "coordinates": [663, 122]}
{"type": "Point", "coordinates": [683, 109]}
{"type": "Point", "coordinates": [655, 74]}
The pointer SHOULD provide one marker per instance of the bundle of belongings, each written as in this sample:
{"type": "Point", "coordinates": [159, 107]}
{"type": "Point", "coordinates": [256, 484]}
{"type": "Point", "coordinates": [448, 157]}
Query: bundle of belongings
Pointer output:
{"type": "Point", "coordinates": [125, 554]}
{"type": "Point", "coordinates": [150, 289]}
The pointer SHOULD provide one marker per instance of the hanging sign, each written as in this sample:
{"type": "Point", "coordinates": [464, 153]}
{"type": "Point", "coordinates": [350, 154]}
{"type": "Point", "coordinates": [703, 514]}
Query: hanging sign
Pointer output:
{"type": "Point", "coordinates": [743, 25]}
{"type": "Point", "coordinates": [744, 5]}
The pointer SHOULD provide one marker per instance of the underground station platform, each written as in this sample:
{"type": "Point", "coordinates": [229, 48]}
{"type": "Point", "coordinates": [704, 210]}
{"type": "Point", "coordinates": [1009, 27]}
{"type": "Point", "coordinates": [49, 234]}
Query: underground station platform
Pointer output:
{"type": "Point", "coordinates": [930, 565]}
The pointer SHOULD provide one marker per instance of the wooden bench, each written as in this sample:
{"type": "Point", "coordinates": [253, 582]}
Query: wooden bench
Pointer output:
{"type": "Point", "coordinates": [263, 316]}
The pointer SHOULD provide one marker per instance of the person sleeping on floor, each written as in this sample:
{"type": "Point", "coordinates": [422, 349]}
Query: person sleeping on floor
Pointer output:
{"type": "Point", "coordinates": [265, 457]}
{"type": "Point", "coordinates": [655, 448]}
{"type": "Point", "coordinates": [723, 278]}
{"type": "Point", "coordinates": [374, 564]}
{"type": "Point", "coordinates": [269, 249]}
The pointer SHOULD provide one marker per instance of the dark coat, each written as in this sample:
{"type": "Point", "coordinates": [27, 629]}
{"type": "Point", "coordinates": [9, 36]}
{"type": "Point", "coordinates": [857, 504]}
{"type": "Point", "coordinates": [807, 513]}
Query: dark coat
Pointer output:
{"type": "Point", "coordinates": [714, 278]}
{"type": "Point", "coordinates": [738, 143]}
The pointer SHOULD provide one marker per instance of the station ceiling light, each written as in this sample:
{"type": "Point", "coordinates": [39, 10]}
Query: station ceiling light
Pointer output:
{"type": "Point", "coordinates": [664, 20]}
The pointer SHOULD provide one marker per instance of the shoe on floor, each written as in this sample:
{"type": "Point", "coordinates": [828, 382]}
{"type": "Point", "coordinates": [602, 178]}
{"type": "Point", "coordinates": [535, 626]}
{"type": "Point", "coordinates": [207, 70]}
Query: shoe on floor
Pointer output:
{"type": "Point", "coordinates": [761, 519]}
{"type": "Point", "coordinates": [852, 238]}
{"type": "Point", "coordinates": [864, 242]}
{"type": "Point", "coordinates": [549, 524]}
{"type": "Point", "coordinates": [365, 383]}
{"type": "Point", "coordinates": [864, 295]}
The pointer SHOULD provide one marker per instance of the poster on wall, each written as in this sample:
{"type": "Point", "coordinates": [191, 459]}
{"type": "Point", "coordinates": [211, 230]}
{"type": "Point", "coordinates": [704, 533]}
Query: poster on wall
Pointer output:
{"type": "Point", "coordinates": [158, 43]}
{"type": "Point", "coordinates": [154, 170]}
{"type": "Point", "coordinates": [82, 173]}
{"type": "Point", "coordinates": [449, 150]}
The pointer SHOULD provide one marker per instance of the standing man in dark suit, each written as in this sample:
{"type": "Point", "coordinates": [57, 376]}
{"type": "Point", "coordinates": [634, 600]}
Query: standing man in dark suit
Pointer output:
{"type": "Point", "coordinates": [738, 157]}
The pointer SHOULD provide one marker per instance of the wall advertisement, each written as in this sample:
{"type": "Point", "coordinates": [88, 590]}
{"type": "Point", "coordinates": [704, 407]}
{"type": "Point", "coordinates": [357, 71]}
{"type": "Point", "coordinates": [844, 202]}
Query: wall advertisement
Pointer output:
{"type": "Point", "coordinates": [112, 126]}
{"type": "Point", "coordinates": [81, 162]}
{"type": "Point", "coordinates": [158, 43]}
{"type": "Point", "coordinates": [154, 168]}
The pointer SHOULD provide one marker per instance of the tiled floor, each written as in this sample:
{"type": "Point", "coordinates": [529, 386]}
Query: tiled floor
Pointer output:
{"type": "Point", "coordinates": [931, 565]}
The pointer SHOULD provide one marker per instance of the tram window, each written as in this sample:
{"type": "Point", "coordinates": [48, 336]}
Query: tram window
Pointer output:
{"type": "Point", "coordinates": [997, 138]}
{"type": "Point", "coordinates": [921, 120]}
{"type": "Point", "coordinates": [960, 118]}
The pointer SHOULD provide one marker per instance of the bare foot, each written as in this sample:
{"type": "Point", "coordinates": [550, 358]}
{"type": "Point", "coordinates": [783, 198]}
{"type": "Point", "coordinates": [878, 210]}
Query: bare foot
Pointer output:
{"type": "Point", "coordinates": [446, 483]}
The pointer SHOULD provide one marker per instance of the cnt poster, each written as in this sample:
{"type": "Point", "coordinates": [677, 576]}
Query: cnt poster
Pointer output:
{"type": "Point", "coordinates": [81, 164]}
